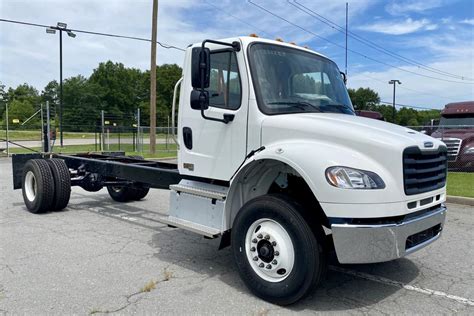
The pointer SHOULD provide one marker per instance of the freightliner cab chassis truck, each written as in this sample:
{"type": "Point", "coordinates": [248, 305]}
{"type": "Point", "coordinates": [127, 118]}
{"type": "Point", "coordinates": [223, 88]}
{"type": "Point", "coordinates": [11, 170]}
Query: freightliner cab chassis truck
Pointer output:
{"type": "Point", "coordinates": [273, 160]}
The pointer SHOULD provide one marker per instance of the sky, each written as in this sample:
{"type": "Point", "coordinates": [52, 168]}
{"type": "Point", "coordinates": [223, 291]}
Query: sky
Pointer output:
{"type": "Point", "coordinates": [426, 44]}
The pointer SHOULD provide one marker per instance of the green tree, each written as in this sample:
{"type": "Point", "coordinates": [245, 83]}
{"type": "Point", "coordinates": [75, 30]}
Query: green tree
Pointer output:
{"type": "Point", "coordinates": [20, 109]}
{"type": "Point", "coordinates": [50, 93]}
{"type": "Point", "coordinates": [121, 89]}
{"type": "Point", "coordinates": [364, 98]}
{"type": "Point", "coordinates": [23, 101]}
{"type": "Point", "coordinates": [3, 99]}
{"type": "Point", "coordinates": [166, 77]}
{"type": "Point", "coordinates": [82, 104]}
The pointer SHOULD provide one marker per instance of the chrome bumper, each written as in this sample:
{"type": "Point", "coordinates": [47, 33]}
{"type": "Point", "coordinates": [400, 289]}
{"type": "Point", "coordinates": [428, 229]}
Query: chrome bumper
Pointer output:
{"type": "Point", "coordinates": [385, 242]}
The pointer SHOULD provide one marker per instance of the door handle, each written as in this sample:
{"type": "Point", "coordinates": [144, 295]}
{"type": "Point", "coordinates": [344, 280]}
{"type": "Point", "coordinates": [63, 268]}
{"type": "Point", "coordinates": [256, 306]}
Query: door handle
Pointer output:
{"type": "Point", "coordinates": [188, 137]}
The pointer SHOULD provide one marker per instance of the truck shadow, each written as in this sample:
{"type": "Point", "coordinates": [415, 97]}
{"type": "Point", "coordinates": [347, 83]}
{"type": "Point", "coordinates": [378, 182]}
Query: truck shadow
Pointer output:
{"type": "Point", "coordinates": [340, 291]}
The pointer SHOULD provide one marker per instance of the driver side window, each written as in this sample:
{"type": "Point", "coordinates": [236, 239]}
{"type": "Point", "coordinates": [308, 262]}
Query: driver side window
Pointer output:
{"type": "Point", "coordinates": [224, 88]}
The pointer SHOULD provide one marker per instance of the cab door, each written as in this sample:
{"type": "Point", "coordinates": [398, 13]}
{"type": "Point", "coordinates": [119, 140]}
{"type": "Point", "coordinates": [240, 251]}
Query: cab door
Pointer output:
{"type": "Point", "coordinates": [213, 149]}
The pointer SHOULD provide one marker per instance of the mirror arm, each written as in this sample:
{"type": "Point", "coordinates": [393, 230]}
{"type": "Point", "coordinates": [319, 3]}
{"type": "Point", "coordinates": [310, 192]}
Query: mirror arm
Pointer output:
{"type": "Point", "coordinates": [344, 77]}
{"type": "Point", "coordinates": [202, 65]}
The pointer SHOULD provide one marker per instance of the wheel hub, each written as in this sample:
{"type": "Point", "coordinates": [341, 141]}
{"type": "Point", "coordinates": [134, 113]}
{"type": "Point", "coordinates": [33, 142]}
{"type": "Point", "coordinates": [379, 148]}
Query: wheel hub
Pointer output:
{"type": "Point", "coordinates": [269, 250]}
{"type": "Point", "coordinates": [265, 250]}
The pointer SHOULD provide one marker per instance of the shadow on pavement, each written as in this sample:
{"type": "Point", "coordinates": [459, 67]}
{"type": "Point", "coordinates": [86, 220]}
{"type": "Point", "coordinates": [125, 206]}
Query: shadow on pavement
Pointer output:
{"type": "Point", "coordinates": [338, 292]}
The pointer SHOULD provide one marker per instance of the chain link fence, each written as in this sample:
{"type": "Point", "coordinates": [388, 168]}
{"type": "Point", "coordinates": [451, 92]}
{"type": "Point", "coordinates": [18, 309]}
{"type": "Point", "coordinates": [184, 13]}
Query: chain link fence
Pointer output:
{"type": "Point", "coordinates": [89, 133]}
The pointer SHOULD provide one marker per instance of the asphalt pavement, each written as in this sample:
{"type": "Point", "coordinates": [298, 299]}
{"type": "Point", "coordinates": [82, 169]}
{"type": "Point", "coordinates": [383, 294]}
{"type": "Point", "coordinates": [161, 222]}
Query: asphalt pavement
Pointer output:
{"type": "Point", "coordinates": [100, 256]}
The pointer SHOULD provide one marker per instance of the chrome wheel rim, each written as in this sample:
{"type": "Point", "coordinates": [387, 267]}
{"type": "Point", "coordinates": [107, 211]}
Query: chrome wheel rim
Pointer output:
{"type": "Point", "coordinates": [31, 186]}
{"type": "Point", "coordinates": [269, 250]}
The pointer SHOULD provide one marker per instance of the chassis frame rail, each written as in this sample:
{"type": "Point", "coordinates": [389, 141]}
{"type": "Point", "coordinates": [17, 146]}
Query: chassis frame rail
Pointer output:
{"type": "Point", "coordinates": [112, 166]}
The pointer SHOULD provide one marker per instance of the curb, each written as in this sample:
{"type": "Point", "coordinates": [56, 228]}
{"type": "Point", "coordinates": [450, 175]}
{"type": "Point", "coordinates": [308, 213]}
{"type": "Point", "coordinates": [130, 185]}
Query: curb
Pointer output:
{"type": "Point", "coordinates": [460, 200]}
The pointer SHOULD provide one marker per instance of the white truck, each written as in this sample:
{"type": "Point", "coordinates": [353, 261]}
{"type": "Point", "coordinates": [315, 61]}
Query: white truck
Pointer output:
{"type": "Point", "coordinates": [273, 160]}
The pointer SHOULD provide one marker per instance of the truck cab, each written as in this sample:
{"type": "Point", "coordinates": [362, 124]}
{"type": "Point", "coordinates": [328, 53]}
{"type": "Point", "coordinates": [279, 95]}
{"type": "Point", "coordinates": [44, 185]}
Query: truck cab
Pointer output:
{"type": "Point", "coordinates": [261, 119]}
{"type": "Point", "coordinates": [456, 130]}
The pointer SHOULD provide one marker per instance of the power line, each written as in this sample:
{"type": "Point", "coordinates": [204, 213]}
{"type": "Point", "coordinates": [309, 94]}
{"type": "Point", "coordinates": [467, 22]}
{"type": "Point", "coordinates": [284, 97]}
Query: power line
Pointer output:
{"type": "Point", "coordinates": [351, 50]}
{"type": "Point", "coordinates": [372, 44]}
{"type": "Point", "coordinates": [425, 93]}
{"type": "Point", "coordinates": [409, 106]}
{"type": "Point", "coordinates": [164, 45]}
{"type": "Point", "coordinates": [405, 88]}
{"type": "Point", "coordinates": [237, 18]}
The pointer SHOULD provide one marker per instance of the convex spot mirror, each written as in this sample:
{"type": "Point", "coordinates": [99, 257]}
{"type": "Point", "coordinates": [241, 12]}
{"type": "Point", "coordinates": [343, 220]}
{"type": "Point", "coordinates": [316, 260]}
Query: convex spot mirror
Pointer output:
{"type": "Point", "coordinates": [199, 100]}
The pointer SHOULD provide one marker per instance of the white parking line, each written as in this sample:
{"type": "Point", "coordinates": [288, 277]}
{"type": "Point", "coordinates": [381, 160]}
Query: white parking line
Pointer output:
{"type": "Point", "coordinates": [401, 285]}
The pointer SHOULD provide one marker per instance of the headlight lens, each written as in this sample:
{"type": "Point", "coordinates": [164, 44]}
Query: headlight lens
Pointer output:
{"type": "Point", "coordinates": [469, 150]}
{"type": "Point", "coordinates": [349, 178]}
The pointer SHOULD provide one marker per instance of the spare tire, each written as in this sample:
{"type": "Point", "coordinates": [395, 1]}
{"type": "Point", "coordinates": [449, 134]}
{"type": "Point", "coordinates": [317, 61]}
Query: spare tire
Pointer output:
{"type": "Point", "coordinates": [37, 186]}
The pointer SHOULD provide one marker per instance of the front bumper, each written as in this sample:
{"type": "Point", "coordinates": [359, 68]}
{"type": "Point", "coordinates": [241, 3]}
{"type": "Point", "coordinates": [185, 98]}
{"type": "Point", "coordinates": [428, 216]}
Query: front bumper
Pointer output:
{"type": "Point", "coordinates": [370, 243]}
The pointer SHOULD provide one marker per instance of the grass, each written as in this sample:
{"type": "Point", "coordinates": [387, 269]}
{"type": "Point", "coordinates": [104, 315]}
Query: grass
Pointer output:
{"type": "Point", "coordinates": [162, 150]}
{"type": "Point", "coordinates": [36, 135]}
{"type": "Point", "coordinates": [148, 287]}
{"type": "Point", "coordinates": [461, 184]}
{"type": "Point", "coordinates": [167, 274]}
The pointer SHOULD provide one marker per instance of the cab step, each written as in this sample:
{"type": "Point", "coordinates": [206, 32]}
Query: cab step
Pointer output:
{"type": "Point", "coordinates": [206, 190]}
{"type": "Point", "coordinates": [191, 226]}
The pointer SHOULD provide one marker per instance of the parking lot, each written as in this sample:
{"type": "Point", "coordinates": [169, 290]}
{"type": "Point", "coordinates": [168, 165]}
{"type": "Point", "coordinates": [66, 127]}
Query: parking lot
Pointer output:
{"type": "Point", "coordinates": [99, 256]}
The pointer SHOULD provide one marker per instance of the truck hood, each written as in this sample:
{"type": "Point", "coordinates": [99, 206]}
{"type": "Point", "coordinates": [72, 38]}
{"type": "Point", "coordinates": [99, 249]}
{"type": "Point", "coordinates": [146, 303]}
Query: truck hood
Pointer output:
{"type": "Point", "coordinates": [351, 131]}
{"type": "Point", "coordinates": [461, 133]}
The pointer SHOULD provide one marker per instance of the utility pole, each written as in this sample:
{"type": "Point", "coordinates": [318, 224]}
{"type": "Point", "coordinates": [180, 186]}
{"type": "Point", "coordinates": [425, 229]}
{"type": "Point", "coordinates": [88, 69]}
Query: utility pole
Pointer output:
{"type": "Point", "coordinates": [138, 131]}
{"type": "Point", "coordinates": [153, 78]}
{"type": "Point", "coordinates": [394, 82]}
{"type": "Point", "coordinates": [102, 136]}
{"type": "Point", "coordinates": [6, 117]}
{"type": "Point", "coordinates": [347, 26]}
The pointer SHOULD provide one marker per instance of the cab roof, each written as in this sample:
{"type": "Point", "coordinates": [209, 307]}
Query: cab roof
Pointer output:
{"type": "Point", "coordinates": [459, 108]}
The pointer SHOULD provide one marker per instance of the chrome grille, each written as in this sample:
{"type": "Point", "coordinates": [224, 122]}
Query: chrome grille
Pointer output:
{"type": "Point", "coordinates": [453, 145]}
{"type": "Point", "coordinates": [424, 171]}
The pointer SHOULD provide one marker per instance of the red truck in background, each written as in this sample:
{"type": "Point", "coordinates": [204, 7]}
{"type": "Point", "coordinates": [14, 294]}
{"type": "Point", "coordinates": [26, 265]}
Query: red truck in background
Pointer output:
{"type": "Point", "coordinates": [456, 130]}
{"type": "Point", "coordinates": [370, 114]}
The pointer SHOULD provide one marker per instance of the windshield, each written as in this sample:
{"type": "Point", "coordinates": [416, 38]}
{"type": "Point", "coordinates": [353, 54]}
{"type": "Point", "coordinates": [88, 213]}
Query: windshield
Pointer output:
{"type": "Point", "coordinates": [289, 80]}
{"type": "Point", "coordinates": [457, 122]}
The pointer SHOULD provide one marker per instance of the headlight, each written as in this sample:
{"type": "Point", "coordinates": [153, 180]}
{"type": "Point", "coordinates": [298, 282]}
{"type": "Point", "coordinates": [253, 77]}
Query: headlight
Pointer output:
{"type": "Point", "coordinates": [469, 150]}
{"type": "Point", "coordinates": [349, 178]}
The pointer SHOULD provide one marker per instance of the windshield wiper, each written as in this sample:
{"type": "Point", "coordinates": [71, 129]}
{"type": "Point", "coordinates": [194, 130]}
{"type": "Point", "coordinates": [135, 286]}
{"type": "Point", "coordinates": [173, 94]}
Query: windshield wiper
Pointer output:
{"type": "Point", "coordinates": [298, 104]}
{"type": "Point", "coordinates": [340, 107]}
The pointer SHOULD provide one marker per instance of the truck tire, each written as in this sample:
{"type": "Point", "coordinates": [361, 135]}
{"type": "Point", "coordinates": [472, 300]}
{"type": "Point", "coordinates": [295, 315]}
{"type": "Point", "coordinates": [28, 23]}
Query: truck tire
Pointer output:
{"type": "Point", "coordinates": [137, 193]}
{"type": "Point", "coordinates": [120, 193]}
{"type": "Point", "coordinates": [62, 183]}
{"type": "Point", "coordinates": [37, 186]}
{"type": "Point", "coordinates": [277, 254]}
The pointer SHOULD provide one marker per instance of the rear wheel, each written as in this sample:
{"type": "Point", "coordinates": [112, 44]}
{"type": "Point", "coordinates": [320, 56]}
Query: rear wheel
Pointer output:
{"type": "Point", "coordinates": [38, 186]}
{"type": "Point", "coordinates": [62, 183]}
{"type": "Point", "coordinates": [277, 254]}
{"type": "Point", "coordinates": [120, 193]}
{"type": "Point", "coordinates": [139, 193]}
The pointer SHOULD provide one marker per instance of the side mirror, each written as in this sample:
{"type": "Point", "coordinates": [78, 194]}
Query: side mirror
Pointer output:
{"type": "Point", "coordinates": [199, 100]}
{"type": "Point", "coordinates": [344, 77]}
{"type": "Point", "coordinates": [200, 67]}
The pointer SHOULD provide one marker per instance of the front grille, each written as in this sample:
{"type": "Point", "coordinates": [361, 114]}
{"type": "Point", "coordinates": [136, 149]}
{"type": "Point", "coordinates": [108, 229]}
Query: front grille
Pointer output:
{"type": "Point", "coordinates": [424, 171]}
{"type": "Point", "coordinates": [422, 236]}
{"type": "Point", "coordinates": [453, 144]}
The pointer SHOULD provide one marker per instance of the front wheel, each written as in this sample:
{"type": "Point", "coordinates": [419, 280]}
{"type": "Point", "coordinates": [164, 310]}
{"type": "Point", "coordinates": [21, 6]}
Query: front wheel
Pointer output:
{"type": "Point", "coordinates": [278, 256]}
